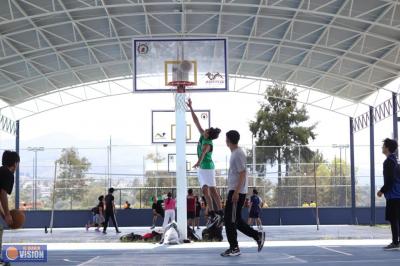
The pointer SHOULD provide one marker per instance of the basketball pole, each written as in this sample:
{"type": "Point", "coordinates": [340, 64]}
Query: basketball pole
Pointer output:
{"type": "Point", "coordinates": [181, 182]}
{"type": "Point", "coordinates": [53, 198]}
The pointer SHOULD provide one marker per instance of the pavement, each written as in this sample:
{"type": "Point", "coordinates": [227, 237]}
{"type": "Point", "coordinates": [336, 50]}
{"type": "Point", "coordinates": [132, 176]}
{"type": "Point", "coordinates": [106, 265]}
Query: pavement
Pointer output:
{"type": "Point", "coordinates": [294, 245]}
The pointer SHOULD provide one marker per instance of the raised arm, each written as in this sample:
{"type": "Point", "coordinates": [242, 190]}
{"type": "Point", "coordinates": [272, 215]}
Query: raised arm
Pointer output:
{"type": "Point", "coordinates": [194, 116]}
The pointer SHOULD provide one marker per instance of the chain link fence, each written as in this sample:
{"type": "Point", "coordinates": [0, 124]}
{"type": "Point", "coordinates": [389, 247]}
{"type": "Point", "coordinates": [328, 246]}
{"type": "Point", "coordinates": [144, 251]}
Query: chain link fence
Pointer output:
{"type": "Point", "coordinates": [284, 176]}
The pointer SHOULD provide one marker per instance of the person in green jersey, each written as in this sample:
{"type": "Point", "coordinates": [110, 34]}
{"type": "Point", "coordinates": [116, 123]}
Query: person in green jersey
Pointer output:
{"type": "Point", "coordinates": [206, 170]}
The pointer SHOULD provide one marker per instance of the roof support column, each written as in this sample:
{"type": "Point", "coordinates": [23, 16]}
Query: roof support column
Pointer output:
{"type": "Point", "coordinates": [395, 119]}
{"type": "Point", "coordinates": [372, 163]}
{"type": "Point", "coordinates": [17, 170]}
{"type": "Point", "coordinates": [352, 175]}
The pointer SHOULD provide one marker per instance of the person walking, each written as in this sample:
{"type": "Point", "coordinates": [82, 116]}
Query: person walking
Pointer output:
{"type": "Point", "coordinates": [237, 187]}
{"type": "Point", "coordinates": [110, 211]}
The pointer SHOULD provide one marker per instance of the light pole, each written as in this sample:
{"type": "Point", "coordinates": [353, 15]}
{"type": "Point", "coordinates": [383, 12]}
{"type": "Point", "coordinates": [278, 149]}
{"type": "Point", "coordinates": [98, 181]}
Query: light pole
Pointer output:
{"type": "Point", "coordinates": [34, 185]}
{"type": "Point", "coordinates": [341, 146]}
{"type": "Point", "coordinates": [298, 178]}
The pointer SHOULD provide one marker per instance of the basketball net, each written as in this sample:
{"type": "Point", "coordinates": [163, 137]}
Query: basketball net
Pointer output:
{"type": "Point", "coordinates": [180, 98]}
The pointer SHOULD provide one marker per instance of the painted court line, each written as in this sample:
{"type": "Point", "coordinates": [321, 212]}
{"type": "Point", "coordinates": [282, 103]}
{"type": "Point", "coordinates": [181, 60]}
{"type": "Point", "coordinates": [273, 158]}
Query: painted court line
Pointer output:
{"type": "Point", "coordinates": [292, 257]}
{"type": "Point", "coordinates": [336, 251]}
{"type": "Point", "coordinates": [68, 260]}
{"type": "Point", "coordinates": [377, 262]}
{"type": "Point", "coordinates": [88, 261]}
{"type": "Point", "coordinates": [206, 245]}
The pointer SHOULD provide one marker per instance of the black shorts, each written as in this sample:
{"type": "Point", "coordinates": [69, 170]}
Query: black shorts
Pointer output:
{"type": "Point", "coordinates": [190, 215]}
{"type": "Point", "coordinates": [392, 212]}
{"type": "Point", "coordinates": [159, 213]}
{"type": "Point", "coordinates": [198, 212]}
{"type": "Point", "coordinates": [254, 213]}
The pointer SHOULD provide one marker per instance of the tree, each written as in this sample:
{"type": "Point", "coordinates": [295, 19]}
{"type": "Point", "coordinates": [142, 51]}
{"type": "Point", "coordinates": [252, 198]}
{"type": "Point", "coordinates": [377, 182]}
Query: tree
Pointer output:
{"type": "Point", "coordinates": [156, 158]}
{"type": "Point", "coordinates": [332, 189]}
{"type": "Point", "coordinates": [278, 124]}
{"type": "Point", "coordinates": [298, 183]}
{"type": "Point", "coordinates": [71, 184]}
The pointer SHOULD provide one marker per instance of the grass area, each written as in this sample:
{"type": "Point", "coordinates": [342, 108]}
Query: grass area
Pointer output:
{"type": "Point", "coordinates": [383, 226]}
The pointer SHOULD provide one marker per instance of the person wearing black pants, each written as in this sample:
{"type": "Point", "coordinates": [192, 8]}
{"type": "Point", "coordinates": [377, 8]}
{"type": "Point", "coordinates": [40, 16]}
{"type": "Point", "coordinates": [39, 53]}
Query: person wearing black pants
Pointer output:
{"type": "Point", "coordinates": [235, 222]}
{"type": "Point", "coordinates": [237, 186]}
{"type": "Point", "coordinates": [391, 190]}
{"type": "Point", "coordinates": [110, 211]}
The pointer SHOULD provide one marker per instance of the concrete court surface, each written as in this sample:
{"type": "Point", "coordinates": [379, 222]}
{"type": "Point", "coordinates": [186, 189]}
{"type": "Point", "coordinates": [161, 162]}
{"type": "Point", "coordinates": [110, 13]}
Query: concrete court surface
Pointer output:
{"type": "Point", "coordinates": [294, 245]}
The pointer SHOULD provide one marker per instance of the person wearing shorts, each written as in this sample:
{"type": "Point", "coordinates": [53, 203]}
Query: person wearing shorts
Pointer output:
{"type": "Point", "coordinates": [99, 218]}
{"type": "Point", "coordinates": [98, 215]}
{"type": "Point", "coordinates": [206, 169]}
{"type": "Point", "coordinates": [158, 210]}
{"type": "Point", "coordinates": [255, 209]}
{"type": "Point", "coordinates": [391, 190]}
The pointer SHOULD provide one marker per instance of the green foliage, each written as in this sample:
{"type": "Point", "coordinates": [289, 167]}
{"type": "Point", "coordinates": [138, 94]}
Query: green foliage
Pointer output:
{"type": "Point", "coordinates": [71, 184]}
{"type": "Point", "coordinates": [332, 180]}
{"type": "Point", "coordinates": [279, 123]}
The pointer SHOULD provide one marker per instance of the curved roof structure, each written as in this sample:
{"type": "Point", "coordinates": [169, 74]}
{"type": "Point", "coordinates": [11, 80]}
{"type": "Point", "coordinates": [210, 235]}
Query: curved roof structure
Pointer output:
{"type": "Point", "coordinates": [344, 48]}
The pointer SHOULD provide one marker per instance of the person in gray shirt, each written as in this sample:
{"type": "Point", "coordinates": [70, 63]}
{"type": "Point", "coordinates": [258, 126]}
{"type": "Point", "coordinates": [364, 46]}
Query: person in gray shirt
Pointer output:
{"type": "Point", "coordinates": [237, 187]}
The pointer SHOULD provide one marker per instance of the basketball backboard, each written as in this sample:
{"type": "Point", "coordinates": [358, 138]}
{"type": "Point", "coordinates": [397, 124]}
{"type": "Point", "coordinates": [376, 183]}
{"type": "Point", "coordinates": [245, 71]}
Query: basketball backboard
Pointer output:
{"type": "Point", "coordinates": [159, 62]}
{"type": "Point", "coordinates": [191, 160]}
{"type": "Point", "coordinates": [163, 128]}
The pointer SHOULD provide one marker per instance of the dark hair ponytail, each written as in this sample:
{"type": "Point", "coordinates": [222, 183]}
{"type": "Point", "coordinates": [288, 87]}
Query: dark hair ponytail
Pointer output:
{"type": "Point", "coordinates": [213, 133]}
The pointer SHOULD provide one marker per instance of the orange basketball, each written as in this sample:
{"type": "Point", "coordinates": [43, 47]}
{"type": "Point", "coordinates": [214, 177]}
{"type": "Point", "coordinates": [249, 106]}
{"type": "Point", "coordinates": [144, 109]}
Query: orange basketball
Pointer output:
{"type": "Point", "coordinates": [18, 217]}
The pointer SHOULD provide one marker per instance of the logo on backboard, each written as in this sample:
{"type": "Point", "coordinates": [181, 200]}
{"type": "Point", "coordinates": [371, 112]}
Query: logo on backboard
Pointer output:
{"type": "Point", "coordinates": [214, 78]}
{"type": "Point", "coordinates": [204, 116]}
{"type": "Point", "coordinates": [160, 135]}
{"type": "Point", "coordinates": [142, 48]}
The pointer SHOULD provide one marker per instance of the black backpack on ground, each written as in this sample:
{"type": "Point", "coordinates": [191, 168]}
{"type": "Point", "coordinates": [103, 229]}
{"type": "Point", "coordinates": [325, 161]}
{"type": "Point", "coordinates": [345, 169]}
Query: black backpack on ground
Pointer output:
{"type": "Point", "coordinates": [132, 237]}
{"type": "Point", "coordinates": [213, 233]}
{"type": "Point", "coordinates": [191, 234]}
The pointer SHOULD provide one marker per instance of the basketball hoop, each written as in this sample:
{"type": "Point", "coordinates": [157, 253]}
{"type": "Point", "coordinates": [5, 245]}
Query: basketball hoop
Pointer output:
{"type": "Point", "coordinates": [181, 85]}
{"type": "Point", "coordinates": [180, 102]}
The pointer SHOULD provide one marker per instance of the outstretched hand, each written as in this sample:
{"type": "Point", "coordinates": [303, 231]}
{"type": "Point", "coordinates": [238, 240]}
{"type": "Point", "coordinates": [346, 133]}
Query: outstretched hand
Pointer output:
{"type": "Point", "coordinates": [189, 103]}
